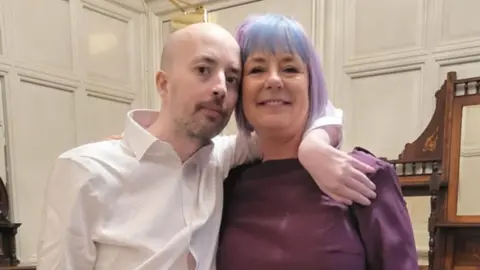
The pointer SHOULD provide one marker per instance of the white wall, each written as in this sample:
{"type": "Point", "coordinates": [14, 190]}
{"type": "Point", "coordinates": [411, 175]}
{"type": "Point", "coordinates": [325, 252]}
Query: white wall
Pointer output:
{"type": "Point", "coordinates": [69, 70]}
{"type": "Point", "coordinates": [383, 60]}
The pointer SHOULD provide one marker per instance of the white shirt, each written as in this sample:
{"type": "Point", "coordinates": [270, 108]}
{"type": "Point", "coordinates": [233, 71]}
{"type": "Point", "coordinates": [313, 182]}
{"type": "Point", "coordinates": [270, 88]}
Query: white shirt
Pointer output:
{"type": "Point", "coordinates": [131, 204]}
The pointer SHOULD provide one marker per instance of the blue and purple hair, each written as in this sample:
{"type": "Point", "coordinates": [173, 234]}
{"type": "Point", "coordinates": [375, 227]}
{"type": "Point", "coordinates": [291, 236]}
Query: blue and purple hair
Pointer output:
{"type": "Point", "coordinates": [275, 33]}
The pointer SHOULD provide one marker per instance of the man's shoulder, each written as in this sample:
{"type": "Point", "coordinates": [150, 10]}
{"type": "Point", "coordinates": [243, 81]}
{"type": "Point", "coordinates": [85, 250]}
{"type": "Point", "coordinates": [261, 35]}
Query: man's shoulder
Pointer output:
{"type": "Point", "coordinates": [89, 170]}
{"type": "Point", "coordinates": [94, 149]}
{"type": "Point", "coordinates": [95, 155]}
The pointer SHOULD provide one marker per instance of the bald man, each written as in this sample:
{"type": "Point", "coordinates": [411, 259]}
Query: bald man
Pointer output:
{"type": "Point", "coordinates": [153, 200]}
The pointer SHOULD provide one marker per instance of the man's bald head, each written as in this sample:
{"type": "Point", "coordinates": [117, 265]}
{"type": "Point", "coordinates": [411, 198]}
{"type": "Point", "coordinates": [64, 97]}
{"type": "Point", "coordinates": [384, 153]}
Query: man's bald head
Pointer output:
{"type": "Point", "coordinates": [199, 80]}
{"type": "Point", "coordinates": [177, 43]}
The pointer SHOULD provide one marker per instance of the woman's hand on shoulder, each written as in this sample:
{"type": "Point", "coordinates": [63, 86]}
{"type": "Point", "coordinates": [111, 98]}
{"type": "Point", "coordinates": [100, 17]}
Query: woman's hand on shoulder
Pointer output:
{"type": "Point", "coordinates": [338, 174]}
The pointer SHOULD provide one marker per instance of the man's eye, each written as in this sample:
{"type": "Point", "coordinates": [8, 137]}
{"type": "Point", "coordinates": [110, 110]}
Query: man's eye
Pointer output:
{"type": "Point", "coordinates": [203, 70]}
{"type": "Point", "coordinates": [232, 80]}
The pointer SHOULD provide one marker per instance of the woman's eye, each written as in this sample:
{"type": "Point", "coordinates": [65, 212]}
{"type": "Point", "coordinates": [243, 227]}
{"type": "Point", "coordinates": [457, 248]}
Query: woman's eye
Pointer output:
{"type": "Point", "coordinates": [256, 70]}
{"type": "Point", "coordinates": [290, 70]}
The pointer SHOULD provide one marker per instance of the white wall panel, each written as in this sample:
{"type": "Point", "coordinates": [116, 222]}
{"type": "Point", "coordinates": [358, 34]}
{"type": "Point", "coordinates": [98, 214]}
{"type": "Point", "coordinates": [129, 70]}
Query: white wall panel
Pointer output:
{"type": "Point", "coordinates": [231, 17]}
{"type": "Point", "coordinates": [43, 127]}
{"type": "Point", "coordinates": [381, 27]}
{"type": "Point", "coordinates": [108, 49]}
{"type": "Point", "coordinates": [38, 40]}
{"type": "Point", "coordinates": [465, 68]}
{"type": "Point", "coordinates": [377, 101]}
{"type": "Point", "coordinates": [458, 24]}
{"type": "Point", "coordinates": [103, 109]}
{"type": "Point", "coordinates": [3, 128]}
{"type": "Point", "coordinates": [111, 45]}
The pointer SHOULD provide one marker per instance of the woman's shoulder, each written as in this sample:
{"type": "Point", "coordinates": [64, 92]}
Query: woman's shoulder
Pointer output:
{"type": "Point", "coordinates": [370, 159]}
{"type": "Point", "coordinates": [385, 175]}
{"type": "Point", "coordinates": [384, 170]}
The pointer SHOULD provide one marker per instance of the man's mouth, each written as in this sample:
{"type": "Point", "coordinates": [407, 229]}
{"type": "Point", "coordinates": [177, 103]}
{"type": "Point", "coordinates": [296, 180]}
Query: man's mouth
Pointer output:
{"type": "Point", "coordinates": [212, 113]}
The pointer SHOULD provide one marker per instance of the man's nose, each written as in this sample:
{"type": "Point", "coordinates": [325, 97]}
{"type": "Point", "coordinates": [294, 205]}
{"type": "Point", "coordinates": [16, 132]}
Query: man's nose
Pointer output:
{"type": "Point", "coordinates": [220, 88]}
{"type": "Point", "coordinates": [273, 81]}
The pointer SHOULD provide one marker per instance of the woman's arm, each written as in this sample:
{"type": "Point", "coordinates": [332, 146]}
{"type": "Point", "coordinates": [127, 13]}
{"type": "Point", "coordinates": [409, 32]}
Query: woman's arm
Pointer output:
{"type": "Point", "coordinates": [385, 226]}
{"type": "Point", "coordinates": [336, 173]}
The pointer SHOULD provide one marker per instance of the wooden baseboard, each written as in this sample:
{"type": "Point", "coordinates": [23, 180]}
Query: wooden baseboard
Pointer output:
{"type": "Point", "coordinates": [20, 267]}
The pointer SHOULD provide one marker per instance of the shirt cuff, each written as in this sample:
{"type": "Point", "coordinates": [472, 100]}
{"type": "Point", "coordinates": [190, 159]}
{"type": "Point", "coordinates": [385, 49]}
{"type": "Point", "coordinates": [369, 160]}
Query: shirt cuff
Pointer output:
{"type": "Point", "coordinates": [335, 119]}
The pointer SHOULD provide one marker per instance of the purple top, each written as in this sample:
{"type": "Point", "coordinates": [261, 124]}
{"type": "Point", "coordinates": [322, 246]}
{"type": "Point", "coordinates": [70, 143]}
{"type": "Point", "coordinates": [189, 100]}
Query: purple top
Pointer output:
{"type": "Point", "coordinates": [276, 218]}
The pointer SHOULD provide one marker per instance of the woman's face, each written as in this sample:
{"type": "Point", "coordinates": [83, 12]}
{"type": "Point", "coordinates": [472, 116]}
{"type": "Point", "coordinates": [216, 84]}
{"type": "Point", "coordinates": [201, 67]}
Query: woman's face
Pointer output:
{"type": "Point", "coordinates": [275, 92]}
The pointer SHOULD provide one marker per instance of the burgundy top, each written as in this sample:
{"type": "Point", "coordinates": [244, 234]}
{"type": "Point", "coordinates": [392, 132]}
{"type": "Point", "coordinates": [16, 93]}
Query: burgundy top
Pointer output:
{"type": "Point", "coordinates": [276, 218]}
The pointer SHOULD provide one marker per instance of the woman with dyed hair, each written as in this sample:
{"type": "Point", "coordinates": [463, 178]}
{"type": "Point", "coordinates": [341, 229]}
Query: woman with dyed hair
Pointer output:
{"type": "Point", "coordinates": [275, 218]}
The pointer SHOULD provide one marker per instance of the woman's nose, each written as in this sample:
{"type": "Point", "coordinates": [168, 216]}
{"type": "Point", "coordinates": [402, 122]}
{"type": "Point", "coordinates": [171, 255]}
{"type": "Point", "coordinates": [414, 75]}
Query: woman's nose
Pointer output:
{"type": "Point", "coordinates": [274, 81]}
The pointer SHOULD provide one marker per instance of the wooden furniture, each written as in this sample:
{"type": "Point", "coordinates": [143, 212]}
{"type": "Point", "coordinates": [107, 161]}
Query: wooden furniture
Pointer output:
{"type": "Point", "coordinates": [430, 166]}
{"type": "Point", "coordinates": [459, 223]}
{"type": "Point", "coordinates": [8, 231]}
{"type": "Point", "coordinates": [419, 166]}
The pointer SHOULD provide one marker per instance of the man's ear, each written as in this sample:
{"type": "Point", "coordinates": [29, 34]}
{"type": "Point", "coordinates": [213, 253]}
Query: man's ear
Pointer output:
{"type": "Point", "coordinates": [161, 82]}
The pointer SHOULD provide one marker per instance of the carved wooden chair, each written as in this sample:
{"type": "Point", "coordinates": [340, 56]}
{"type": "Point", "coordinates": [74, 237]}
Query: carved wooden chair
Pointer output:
{"type": "Point", "coordinates": [429, 166]}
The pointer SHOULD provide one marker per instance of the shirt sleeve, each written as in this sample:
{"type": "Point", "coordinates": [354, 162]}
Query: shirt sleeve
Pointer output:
{"type": "Point", "coordinates": [65, 240]}
{"type": "Point", "coordinates": [385, 226]}
{"type": "Point", "coordinates": [234, 150]}
{"type": "Point", "coordinates": [332, 118]}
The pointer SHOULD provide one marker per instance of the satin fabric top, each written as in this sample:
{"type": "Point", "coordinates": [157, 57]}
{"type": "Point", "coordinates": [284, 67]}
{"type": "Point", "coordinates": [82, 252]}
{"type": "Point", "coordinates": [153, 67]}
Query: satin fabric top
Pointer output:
{"type": "Point", "coordinates": [276, 218]}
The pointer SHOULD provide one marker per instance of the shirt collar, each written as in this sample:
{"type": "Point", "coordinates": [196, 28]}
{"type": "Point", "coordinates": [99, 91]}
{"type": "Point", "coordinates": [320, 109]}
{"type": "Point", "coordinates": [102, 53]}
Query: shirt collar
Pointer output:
{"type": "Point", "coordinates": [142, 142]}
{"type": "Point", "coordinates": [136, 134]}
